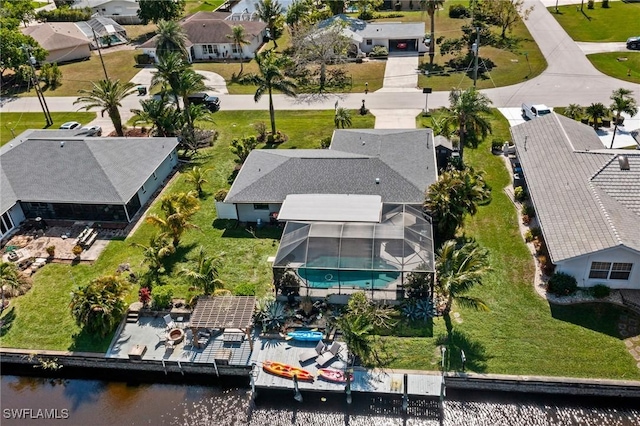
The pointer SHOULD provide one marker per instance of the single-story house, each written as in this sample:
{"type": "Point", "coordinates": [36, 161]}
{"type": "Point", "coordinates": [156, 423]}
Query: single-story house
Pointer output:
{"type": "Point", "coordinates": [121, 11]}
{"type": "Point", "coordinates": [395, 36]}
{"type": "Point", "coordinates": [63, 40]}
{"type": "Point", "coordinates": [208, 37]}
{"type": "Point", "coordinates": [586, 198]}
{"type": "Point", "coordinates": [396, 165]}
{"type": "Point", "coordinates": [103, 31]}
{"type": "Point", "coordinates": [56, 174]}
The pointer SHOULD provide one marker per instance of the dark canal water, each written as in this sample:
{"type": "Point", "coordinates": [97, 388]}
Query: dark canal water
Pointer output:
{"type": "Point", "coordinates": [93, 402]}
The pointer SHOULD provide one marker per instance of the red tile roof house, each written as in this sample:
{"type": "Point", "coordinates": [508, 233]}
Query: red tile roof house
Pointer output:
{"type": "Point", "coordinates": [207, 37]}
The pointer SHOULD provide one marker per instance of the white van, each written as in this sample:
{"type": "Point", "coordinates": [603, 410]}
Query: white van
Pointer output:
{"type": "Point", "coordinates": [530, 111]}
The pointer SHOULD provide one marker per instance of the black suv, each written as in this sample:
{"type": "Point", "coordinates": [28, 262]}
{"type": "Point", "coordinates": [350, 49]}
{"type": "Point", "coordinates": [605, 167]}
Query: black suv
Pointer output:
{"type": "Point", "coordinates": [211, 102]}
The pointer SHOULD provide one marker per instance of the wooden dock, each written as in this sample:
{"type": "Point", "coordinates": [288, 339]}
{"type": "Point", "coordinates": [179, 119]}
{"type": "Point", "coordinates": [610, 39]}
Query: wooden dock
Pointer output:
{"type": "Point", "coordinates": [365, 381]}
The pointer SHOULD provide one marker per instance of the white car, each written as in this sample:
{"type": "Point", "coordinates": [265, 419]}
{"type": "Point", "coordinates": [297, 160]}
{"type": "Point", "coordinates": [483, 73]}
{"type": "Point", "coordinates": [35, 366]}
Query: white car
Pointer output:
{"type": "Point", "coordinates": [70, 125]}
{"type": "Point", "coordinates": [91, 131]}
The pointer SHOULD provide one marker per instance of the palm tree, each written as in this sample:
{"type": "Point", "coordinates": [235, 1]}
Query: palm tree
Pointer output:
{"type": "Point", "coordinates": [178, 210]}
{"type": "Point", "coordinates": [163, 117]}
{"type": "Point", "coordinates": [596, 111]}
{"type": "Point", "coordinates": [622, 102]}
{"type": "Point", "coordinates": [466, 113]}
{"type": "Point", "coordinates": [574, 111]}
{"type": "Point", "coordinates": [205, 273]}
{"type": "Point", "coordinates": [189, 81]}
{"type": "Point", "coordinates": [171, 38]}
{"type": "Point", "coordinates": [271, 78]}
{"type": "Point", "coordinates": [430, 6]}
{"type": "Point", "coordinates": [153, 254]}
{"type": "Point", "coordinates": [99, 306]}
{"type": "Point", "coordinates": [238, 37]}
{"type": "Point", "coordinates": [170, 68]}
{"type": "Point", "coordinates": [196, 176]}
{"type": "Point", "coordinates": [342, 118]}
{"type": "Point", "coordinates": [270, 12]}
{"type": "Point", "coordinates": [459, 267]}
{"type": "Point", "coordinates": [10, 279]}
{"type": "Point", "coordinates": [107, 95]}
{"type": "Point", "coordinates": [356, 332]}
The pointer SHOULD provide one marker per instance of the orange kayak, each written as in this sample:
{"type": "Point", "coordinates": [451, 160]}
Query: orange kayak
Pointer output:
{"type": "Point", "coordinates": [286, 371]}
{"type": "Point", "coordinates": [332, 375]}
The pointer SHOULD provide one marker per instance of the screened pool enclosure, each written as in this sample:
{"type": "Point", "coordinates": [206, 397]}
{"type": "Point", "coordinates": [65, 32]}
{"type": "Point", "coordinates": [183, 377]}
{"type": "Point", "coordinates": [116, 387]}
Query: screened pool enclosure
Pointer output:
{"type": "Point", "coordinates": [345, 257]}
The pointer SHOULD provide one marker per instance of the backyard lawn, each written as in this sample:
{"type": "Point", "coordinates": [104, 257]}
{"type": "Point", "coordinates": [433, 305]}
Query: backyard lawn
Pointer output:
{"type": "Point", "coordinates": [14, 123]}
{"type": "Point", "coordinates": [618, 64]}
{"type": "Point", "coordinates": [617, 23]}
{"type": "Point", "coordinates": [41, 318]}
{"type": "Point", "coordinates": [522, 334]}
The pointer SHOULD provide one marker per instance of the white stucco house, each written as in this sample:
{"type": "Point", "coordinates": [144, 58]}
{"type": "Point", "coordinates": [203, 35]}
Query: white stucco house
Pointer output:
{"type": "Point", "coordinates": [121, 11]}
{"type": "Point", "coordinates": [395, 36]}
{"type": "Point", "coordinates": [62, 174]}
{"type": "Point", "coordinates": [586, 198]}
{"type": "Point", "coordinates": [64, 41]}
{"type": "Point", "coordinates": [208, 37]}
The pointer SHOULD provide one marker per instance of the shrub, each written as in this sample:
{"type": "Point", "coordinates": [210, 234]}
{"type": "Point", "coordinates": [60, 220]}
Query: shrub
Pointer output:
{"type": "Point", "coordinates": [562, 284]}
{"type": "Point", "coordinates": [144, 296]}
{"type": "Point", "coordinates": [162, 296]}
{"type": "Point", "coordinates": [528, 236]}
{"type": "Point", "coordinates": [245, 289]}
{"type": "Point", "coordinates": [526, 219]}
{"type": "Point", "coordinates": [379, 51]}
{"type": "Point", "coordinates": [458, 11]}
{"type": "Point", "coordinates": [325, 142]}
{"type": "Point", "coordinates": [496, 145]}
{"type": "Point", "coordinates": [261, 128]}
{"type": "Point", "coordinates": [51, 250]}
{"type": "Point", "coordinates": [221, 194]}
{"type": "Point", "coordinates": [528, 210]}
{"type": "Point", "coordinates": [76, 250]}
{"type": "Point", "coordinates": [520, 194]}
{"type": "Point", "coordinates": [64, 14]}
{"type": "Point", "coordinates": [605, 4]}
{"type": "Point", "coordinates": [536, 232]}
{"type": "Point", "coordinates": [599, 291]}
{"type": "Point", "coordinates": [143, 59]}
{"type": "Point", "coordinates": [590, 4]}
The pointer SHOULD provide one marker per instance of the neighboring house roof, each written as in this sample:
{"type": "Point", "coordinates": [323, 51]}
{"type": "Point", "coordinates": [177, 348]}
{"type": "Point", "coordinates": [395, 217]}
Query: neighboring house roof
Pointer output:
{"type": "Point", "coordinates": [584, 201]}
{"type": "Point", "coordinates": [95, 3]}
{"type": "Point", "coordinates": [402, 160]}
{"type": "Point", "coordinates": [203, 29]}
{"type": "Point", "coordinates": [55, 166]}
{"type": "Point", "coordinates": [387, 30]}
{"type": "Point", "coordinates": [57, 35]}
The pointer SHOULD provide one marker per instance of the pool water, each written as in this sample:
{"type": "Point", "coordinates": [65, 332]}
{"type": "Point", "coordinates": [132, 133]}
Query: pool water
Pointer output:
{"type": "Point", "coordinates": [327, 278]}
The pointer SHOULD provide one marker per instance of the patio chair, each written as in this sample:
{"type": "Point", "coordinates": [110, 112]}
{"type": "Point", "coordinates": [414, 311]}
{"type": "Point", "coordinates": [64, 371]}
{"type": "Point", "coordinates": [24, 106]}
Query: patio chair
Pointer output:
{"type": "Point", "coordinates": [329, 355]}
{"type": "Point", "coordinates": [169, 321]}
{"type": "Point", "coordinates": [309, 354]}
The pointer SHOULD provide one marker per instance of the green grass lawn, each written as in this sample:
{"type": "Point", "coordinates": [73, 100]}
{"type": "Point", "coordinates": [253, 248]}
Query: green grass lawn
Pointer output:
{"type": "Point", "coordinates": [522, 334]}
{"type": "Point", "coordinates": [617, 23]}
{"type": "Point", "coordinates": [14, 123]}
{"type": "Point", "coordinates": [194, 6]}
{"type": "Point", "coordinates": [41, 318]}
{"type": "Point", "coordinates": [615, 65]}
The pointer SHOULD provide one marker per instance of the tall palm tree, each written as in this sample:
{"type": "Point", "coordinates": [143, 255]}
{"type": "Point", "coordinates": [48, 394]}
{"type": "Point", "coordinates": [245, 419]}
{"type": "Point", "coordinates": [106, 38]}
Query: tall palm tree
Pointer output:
{"type": "Point", "coordinates": [196, 176]}
{"type": "Point", "coordinates": [164, 118]}
{"type": "Point", "coordinates": [205, 273]}
{"type": "Point", "coordinates": [271, 77]}
{"type": "Point", "coordinates": [596, 111]}
{"type": "Point", "coordinates": [459, 267]}
{"type": "Point", "coordinates": [189, 81]}
{"type": "Point", "coordinates": [158, 249]}
{"type": "Point", "coordinates": [342, 119]}
{"type": "Point", "coordinates": [466, 113]}
{"type": "Point", "coordinates": [170, 68]}
{"type": "Point", "coordinates": [574, 111]}
{"type": "Point", "coordinates": [178, 209]}
{"type": "Point", "coordinates": [270, 12]}
{"type": "Point", "coordinates": [99, 306]}
{"type": "Point", "coordinates": [10, 280]}
{"type": "Point", "coordinates": [171, 38]}
{"type": "Point", "coordinates": [107, 95]}
{"type": "Point", "coordinates": [238, 37]}
{"type": "Point", "coordinates": [430, 6]}
{"type": "Point", "coordinates": [622, 102]}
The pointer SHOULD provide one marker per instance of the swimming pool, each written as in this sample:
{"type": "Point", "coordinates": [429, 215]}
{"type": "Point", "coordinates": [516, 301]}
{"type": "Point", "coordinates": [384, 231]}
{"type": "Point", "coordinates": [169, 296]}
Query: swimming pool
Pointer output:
{"type": "Point", "coordinates": [328, 277]}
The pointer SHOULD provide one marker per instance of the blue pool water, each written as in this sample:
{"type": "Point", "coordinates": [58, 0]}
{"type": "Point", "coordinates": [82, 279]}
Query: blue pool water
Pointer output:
{"type": "Point", "coordinates": [327, 278]}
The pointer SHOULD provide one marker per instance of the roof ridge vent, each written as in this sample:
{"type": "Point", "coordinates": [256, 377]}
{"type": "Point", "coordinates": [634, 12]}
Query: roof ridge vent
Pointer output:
{"type": "Point", "coordinates": [623, 162]}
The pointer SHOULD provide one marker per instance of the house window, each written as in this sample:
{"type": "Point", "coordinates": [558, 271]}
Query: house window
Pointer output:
{"type": "Point", "coordinates": [5, 223]}
{"type": "Point", "coordinates": [261, 206]}
{"type": "Point", "coordinates": [607, 270]}
{"type": "Point", "coordinates": [144, 190]}
{"type": "Point", "coordinates": [234, 48]}
{"type": "Point", "coordinates": [215, 49]}
{"type": "Point", "coordinates": [155, 177]}
{"type": "Point", "coordinates": [369, 42]}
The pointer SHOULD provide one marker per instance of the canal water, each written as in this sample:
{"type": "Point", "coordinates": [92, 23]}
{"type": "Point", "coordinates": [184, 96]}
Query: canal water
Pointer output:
{"type": "Point", "coordinates": [42, 401]}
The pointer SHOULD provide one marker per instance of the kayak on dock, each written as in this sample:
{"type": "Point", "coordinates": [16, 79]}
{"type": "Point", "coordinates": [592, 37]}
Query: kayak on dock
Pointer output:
{"type": "Point", "coordinates": [332, 375]}
{"type": "Point", "coordinates": [286, 371]}
{"type": "Point", "coordinates": [305, 336]}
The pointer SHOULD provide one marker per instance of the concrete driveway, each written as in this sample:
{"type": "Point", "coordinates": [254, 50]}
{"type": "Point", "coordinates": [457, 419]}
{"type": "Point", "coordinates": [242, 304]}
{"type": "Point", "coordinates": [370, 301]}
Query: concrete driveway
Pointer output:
{"type": "Point", "coordinates": [401, 73]}
{"type": "Point", "coordinates": [395, 118]}
{"type": "Point", "coordinates": [589, 48]}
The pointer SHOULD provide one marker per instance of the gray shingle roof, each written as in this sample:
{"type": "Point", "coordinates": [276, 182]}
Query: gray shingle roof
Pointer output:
{"type": "Point", "coordinates": [91, 170]}
{"type": "Point", "coordinates": [403, 160]}
{"type": "Point", "coordinates": [584, 202]}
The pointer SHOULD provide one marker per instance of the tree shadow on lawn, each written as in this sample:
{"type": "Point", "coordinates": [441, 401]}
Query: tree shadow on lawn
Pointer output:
{"type": "Point", "coordinates": [7, 321]}
{"type": "Point", "coordinates": [86, 342]}
{"type": "Point", "coordinates": [475, 352]}
{"type": "Point", "coordinates": [233, 229]}
{"type": "Point", "coordinates": [599, 317]}
{"type": "Point", "coordinates": [180, 256]}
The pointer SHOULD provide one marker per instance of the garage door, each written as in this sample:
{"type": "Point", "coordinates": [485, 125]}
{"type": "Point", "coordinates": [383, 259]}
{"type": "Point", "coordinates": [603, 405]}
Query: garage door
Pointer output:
{"type": "Point", "coordinates": [403, 45]}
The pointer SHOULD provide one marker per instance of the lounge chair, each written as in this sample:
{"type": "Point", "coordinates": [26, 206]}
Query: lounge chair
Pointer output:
{"type": "Point", "coordinates": [312, 353]}
{"type": "Point", "coordinates": [169, 321]}
{"type": "Point", "coordinates": [329, 355]}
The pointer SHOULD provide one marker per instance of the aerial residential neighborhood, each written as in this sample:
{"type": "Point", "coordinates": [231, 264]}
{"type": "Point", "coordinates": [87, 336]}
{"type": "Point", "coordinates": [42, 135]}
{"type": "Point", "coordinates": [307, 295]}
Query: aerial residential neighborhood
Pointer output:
{"type": "Point", "coordinates": [388, 203]}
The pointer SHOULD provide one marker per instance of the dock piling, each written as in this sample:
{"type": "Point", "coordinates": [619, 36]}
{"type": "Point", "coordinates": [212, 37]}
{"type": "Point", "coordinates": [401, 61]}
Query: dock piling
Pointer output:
{"type": "Point", "coordinates": [405, 392]}
{"type": "Point", "coordinates": [296, 391]}
{"type": "Point", "coordinates": [348, 387]}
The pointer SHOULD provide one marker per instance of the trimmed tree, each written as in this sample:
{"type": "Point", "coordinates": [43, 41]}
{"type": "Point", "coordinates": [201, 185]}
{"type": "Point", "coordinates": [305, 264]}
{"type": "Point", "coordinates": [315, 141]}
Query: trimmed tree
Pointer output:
{"type": "Point", "coordinates": [623, 101]}
{"type": "Point", "coordinates": [467, 112]}
{"type": "Point", "coordinates": [107, 95]}
{"type": "Point", "coordinates": [99, 306]}
{"type": "Point", "coordinates": [155, 11]}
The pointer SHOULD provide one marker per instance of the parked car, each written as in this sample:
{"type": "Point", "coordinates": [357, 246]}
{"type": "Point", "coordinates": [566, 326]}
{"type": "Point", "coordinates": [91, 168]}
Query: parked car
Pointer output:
{"type": "Point", "coordinates": [531, 111]}
{"type": "Point", "coordinates": [91, 131]}
{"type": "Point", "coordinates": [167, 97]}
{"type": "Point", "coordinates": [211, 102]}
{"type": "Point", "coordinates": [633, 43]}
{"type": "Point", "coordinates": [70, 125]}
